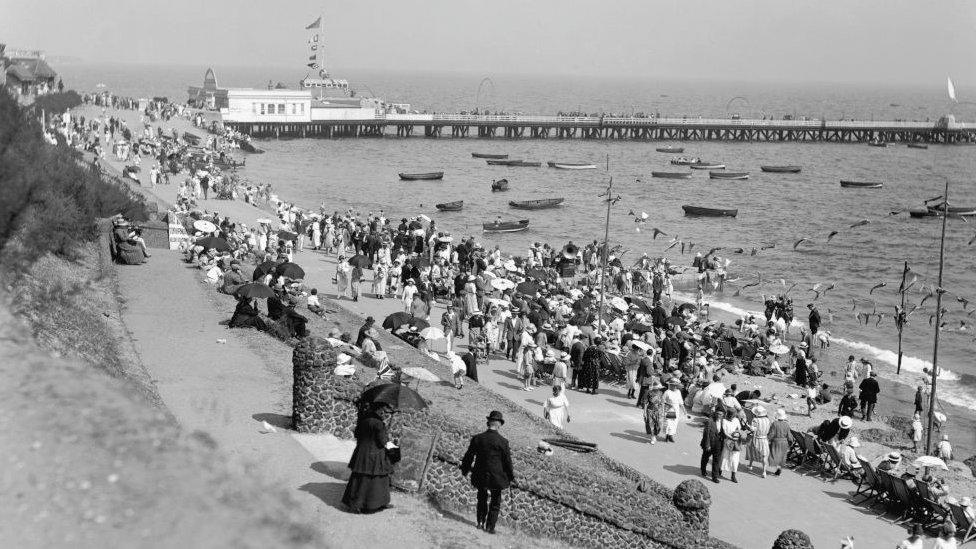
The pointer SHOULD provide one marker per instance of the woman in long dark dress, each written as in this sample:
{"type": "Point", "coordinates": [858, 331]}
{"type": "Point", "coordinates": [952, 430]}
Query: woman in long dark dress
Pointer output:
{"type": "Point", "coordinates": [368, 489]}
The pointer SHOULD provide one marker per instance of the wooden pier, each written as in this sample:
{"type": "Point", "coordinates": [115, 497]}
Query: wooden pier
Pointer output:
{"type": "Point", "coordinates": [943, 131]}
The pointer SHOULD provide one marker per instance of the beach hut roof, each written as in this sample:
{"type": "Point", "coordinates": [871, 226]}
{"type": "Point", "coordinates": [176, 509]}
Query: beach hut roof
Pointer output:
{"type": "Point", "coordinates": [20, 72]}
{"type": "Point", "coordinates": [37, 67]}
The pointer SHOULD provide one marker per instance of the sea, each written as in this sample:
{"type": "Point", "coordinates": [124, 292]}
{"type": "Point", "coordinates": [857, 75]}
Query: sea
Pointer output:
{"type": "Point", "coordinates": [775, 210]}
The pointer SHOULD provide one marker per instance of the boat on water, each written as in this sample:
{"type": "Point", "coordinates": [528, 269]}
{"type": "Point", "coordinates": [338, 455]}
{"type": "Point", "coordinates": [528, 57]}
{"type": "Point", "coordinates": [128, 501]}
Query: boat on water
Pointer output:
{"type": "Point", "coordinates": [953, 210]}
{"type": "Point", "coordinates": [539, 204]}
{"type": "Point", "coordinates": [672, 175]}
{"type": "Point", "coordinates": [709, 212]}
{"type": "Point", "coordinates": [500, 185]}
{"type": "Point", "coordinates": [780, 169]}
{"type": "Point", "coordinates": [247, 147]}
{"type": "Point", "coordinates": [861, 184]}
{"type": "Point", "coordinates": [877, 143]}
{"type": "Point", "coordinates": [489, 156]}
{"type": "Point", "coordinates": [514, 163]}
{"type": "Point", "coordinates": [917, 146]}
{"type": "Point", "coordinates": [421, 176]}
{"type": "Point", "coordinates": [500, 226]}
{"type": "Point", "coordinates": [670, 149]}
{"type": "Point", "coordinates": [728, 175]}
{"type": "Point", "coordinates": [572, 166]}
{"type": "Point", "coordinates": [685, 161]}
{"type": "Point", "coordinates": [450, 206]}
{"type": "Point", "coordinates": [706, 166]}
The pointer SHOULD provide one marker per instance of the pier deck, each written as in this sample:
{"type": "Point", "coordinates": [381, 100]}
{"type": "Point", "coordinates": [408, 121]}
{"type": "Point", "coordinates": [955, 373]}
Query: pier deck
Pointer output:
{"type": "Point", "coordinates": [607, 127]}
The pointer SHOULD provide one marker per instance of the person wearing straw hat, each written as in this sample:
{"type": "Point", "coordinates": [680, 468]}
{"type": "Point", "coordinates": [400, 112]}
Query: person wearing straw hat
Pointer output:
{"type": "Point", "coordinates": [891, 464]}
{"type": "Point", "coordinates": [674, 408]}
{"type": "Point", "coordinates": [848, 456]}
{"type": "Point", "coordinates": [759, 446]}
{"type": "Point", "coordinates": [489, 462]}
{"type": "Point", "coordinates": [653, 401]}
{"type": "Point", "coordinates": [779, 441]}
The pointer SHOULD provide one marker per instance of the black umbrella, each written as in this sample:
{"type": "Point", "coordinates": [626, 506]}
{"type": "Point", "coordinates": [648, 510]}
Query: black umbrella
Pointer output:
{"type": "Point", "coordinates": [420, 262]}
{"type": "Point", "coordinates": [287, 235]}
{"type": "Point", "coordinates": [394, 394]}
{"type": "Point", "coordinates": [255, 290]}
{"type": "Point", "coordinates": [396, 320]}
{"type": "Point", "coordinates": [639, 327]}
{"type": "Point", "coordinates": [616, 262]}
{"type": "Point", "coordinates": [419, 323]}
{"type": "Point", "coordinates": [359, 260]}
{"type": "Point", "coordinates": [536, 273]}
{"type": "Point", "coordinates": [414, 225]}
{"type": "Point", "coordinates": [290, 270]}
{"type": "Point", "coordinates": [263, 269]}
{"type": "Point", "coordinates": [527, 287]}
{"type": "Point", "coordinates": [213, 243]}
{"type": "Point", "coordinates": [641, 304]}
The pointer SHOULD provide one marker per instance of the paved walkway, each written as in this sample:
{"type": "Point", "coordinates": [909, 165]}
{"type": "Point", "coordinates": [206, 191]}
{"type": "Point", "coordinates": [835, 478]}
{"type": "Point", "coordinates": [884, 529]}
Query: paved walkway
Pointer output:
{"type": "Point", "coordinates": [750, 513]}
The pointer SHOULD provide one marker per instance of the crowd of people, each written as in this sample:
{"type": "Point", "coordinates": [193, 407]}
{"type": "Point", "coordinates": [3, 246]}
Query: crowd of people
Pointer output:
{"type": "Point", "coordinates": [545, 311]}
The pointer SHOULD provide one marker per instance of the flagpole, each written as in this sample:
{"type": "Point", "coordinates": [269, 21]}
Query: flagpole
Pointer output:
{"type": "Point", "coordinates": [938, 320]}
{"type": "Point", "coordinates": [902, 316]}
{"type": "Point", "coordinates": [606, 252]}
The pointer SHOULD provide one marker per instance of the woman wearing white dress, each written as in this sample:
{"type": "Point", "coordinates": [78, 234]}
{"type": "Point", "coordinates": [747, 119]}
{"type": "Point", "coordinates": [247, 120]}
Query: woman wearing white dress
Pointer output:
{"type": "Point", "coordinates": [674, 408]}
{"type": "Point", "coordinates": [732, 436]}
{"type": "Point", "coordinates": [343, 271]}
{"type": "Point", "coordinates": [556, 408]}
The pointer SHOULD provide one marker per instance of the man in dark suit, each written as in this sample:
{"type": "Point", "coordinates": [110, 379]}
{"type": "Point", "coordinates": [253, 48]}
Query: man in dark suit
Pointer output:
{"type": "Point", "coordinates": [490, 464]}
{"type": "Point", "coordinates": [814, 318]}
{"type": "Point", "coordinates": [711, 445]}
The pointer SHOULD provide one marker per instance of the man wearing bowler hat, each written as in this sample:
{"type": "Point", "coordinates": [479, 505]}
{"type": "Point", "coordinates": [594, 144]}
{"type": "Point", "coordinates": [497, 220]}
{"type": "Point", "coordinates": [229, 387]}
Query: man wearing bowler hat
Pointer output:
{"type": "Point", "coordinates": [490, 464]}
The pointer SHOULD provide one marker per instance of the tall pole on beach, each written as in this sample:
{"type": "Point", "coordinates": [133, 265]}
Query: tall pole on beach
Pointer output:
{"type": "Point", "coordinates": [938, 320]}
{"type": "Point", "coordinates": [606, 252]}
{"type": "Point", "coordinates": [901, 317]}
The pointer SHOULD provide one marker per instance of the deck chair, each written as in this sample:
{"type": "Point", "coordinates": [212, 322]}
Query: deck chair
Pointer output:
{"type": "Point", "coordinates": [834, 464]}
{"type": "Point", "coordinates": [964, 524]}
{"type": "Point", "coordinates": [870, 485]}
{"type": "Point", "coordinates": [886, 494]}
{"type": "Point", "coordinates": [814, 451]}
{"type": "Point", "coordinates": [908, 501]}
{"type": "Point", "coordinates": [724, 351]}
{"type": "Point", "coordinates": [797, 448]}
{"type": "Point", "coordinates": [934, 512]}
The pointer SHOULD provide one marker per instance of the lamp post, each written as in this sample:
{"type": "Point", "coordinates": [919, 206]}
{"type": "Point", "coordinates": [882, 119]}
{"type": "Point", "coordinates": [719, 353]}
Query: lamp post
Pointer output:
{"type": "Point", "coordinates": [938, 320]}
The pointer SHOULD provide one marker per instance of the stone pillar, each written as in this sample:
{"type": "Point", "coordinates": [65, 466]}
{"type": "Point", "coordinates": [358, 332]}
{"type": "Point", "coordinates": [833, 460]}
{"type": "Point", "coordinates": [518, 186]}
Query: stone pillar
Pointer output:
{"type": "Point", "coordinates": [313, 362]}
{"type": "Point", "coordinates": [692, 499]}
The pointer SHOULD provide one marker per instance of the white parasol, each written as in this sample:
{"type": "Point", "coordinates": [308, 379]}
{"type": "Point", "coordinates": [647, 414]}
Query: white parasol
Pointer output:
{"type": "Point", "coordinates": [420, 374]}
{"type": "Point", "coordinates": [619, 303]}
{"type": "Point", "coordinates": [457, 364]}
{"type": "Point", "coordinates": [502, 284]}
{"type": "Point", "coordinates": [640, 344]}
{"type": "Point", "coordinates": [431, 333]}
{"type": "Point", "coordinates": [418, 232]}
{"type": "Point", "coordinates": [779, 349]}
{"type": "Point", "coordinates": [204, 226]}
{"type": "Point", "coordinates": [424, 218]}
{"type": "Point", "coordinates": [930, 461]}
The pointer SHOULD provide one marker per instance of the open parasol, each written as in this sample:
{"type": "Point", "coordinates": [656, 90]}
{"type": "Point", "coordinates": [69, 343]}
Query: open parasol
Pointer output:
{"type": "Point", "coordinates": [287, 235]}
{"type": "Point", "coordinates": [930, 461]}
{"type": "Point", "coordinates": [619, 303]}
{"type": "Point", "coordinates": [502, 284]}
{"type": "Point", "coordinates": [204, 226]}
{"type": "Point", "coordinates": [213, 243]}
{"type": "Point", "coordinates": [359, 260]}
{"type": "Point", "coordinates": [640, 344]}
{"type": "Point", "coordinates": [779, 349]}
{"type": "Point", "coordinates": [255, 290]}
{"type": "Point", "coordinates": [536, 273]}
{"type": "Point", "coordinates": [266, 268]}
{"type": "Point", "coordinates": [431, 333]}
{"type": "Point", "coordinates": [528, 288]}
{"type": "Point", "coordinates": [290, 270]}
{"type": "Point", "coordinates": [395, 320]}
{"type": "Point", "coordinates": [399, 396]}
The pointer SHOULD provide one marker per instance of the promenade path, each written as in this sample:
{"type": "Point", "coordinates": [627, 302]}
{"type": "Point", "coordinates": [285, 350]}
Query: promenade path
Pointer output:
{"type": "Point", "coordinates": [749, 514]}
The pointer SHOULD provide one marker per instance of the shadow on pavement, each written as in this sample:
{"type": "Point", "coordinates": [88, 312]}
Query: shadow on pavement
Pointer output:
{"type": "Point", "coordinates": [633, 436]}
{"type": "Point", "coordinates": [338, 470]}
{"type": "Point", "coordinates": [329, 492]}
{"type": "Point", "coordinates": [506, 373]}
{"type": "Point", "coordinates": [510, 386]}
{"type": "Point", "coordinates": [280, 421]}
{"type": "Point", "coordinates": [629, 404]}
{"type": "Point", "coordinates": [685, 470]}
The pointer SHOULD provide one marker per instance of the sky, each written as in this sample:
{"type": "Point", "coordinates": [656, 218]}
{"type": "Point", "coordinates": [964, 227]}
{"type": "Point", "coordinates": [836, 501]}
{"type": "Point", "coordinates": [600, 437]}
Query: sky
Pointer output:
{"type": "Point", "coordinates": [859, 41]}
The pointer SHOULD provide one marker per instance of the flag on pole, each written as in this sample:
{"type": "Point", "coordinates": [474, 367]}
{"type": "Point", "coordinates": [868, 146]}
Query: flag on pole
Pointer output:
{"type": "Point", "coordinates": [316, 24]}
{"type": "Point", "coordinates": [952, 89]}
{"type": "Point", "coordinates": [314, 47]}
{"type": "Point", "coordinates": [311, 58]}
{"type": "Point", "coordinates": [313, 65]}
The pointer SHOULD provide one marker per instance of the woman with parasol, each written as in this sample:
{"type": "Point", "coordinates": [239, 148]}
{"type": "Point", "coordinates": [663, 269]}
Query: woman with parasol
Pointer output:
{"type": "Point", "coordinates": [368, 489]}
